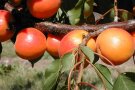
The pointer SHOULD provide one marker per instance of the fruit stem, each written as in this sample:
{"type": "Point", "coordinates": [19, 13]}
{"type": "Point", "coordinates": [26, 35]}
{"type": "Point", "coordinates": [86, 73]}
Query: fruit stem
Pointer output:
{"type": "Point", "coordinates": [108, 62]}
{"type": "Point", "coordinates": [80, 74]}
{"type": "Point", "coordinates": [70, 74]}
{"type": "Point", "coordinates": [102, 16]}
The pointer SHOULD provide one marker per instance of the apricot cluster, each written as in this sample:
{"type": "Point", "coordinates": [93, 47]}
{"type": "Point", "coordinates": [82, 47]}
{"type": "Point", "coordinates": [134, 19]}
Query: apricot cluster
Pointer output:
{"type": "Point", "coordinates": [30, 43]}
{"type": "Point", "coordinates": [115, 44]}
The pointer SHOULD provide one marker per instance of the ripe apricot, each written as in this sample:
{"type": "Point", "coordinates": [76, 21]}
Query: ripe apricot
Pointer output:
{"type": "Point", "coordinates": [5, 33]}
{"type": "Point", "coordinates": [43, 8]}
{"type": "Point", "coordinates": [30, 43]}
{"type": "Point", "coordinates": [73, 39]}
{"type": "Point", "coordinates": [52, 44]}
{"type": "Point", "coordinates": [116, 45]}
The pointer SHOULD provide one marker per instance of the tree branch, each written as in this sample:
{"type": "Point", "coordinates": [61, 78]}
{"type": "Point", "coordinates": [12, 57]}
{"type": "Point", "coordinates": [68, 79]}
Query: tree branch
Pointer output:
{"type": "Point", "coordinates": [57, 28]}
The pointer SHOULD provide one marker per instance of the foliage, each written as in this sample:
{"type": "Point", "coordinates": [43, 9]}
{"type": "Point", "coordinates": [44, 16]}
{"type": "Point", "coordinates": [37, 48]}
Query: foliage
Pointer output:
{"type": "Point", "coordinates": [123, 81]}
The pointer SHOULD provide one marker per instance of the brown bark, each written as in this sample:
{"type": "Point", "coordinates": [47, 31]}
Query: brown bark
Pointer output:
{"type": "Point", "coordinates": [58, 28]}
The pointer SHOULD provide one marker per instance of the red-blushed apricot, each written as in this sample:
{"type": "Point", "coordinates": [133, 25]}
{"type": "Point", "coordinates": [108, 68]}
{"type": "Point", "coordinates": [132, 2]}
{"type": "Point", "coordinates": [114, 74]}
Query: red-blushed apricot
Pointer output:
{"type": "Point", "coordinates": [5, 32]}
{"type": "Point", "coordinates": [72, 40]}
{"type": "Point", "coordinates": [30, 43]}
{"type": "Point", "coordinates": [53, 43]}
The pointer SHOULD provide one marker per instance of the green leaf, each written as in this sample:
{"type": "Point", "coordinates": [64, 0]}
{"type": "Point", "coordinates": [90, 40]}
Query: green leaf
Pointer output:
{"type": "Point", "coordinates": [106, 74]}
{"type": "Point", "coordinates": [62, 84]}
{"type": "Point", "coordinates": [88, 52]}
{"type": "Point", "coordinates": [54, 67]}
{"type": "Point", "coordinates": [47, 56]}
{"type": "Point", "coordinates": [88, 8]}
{"type": "Point", "coordinates": [68, 61]}
{"type": "Point", "coordinates": [123, 15]}
{"type": "Point", "coordinates": [87, 11]}
{"type": "Point", "coordinates": [51, 74]}
{"type": "Point", "coordinates": [50, 82]}
{"type": "Point", "coordinates": [75, 13]}
{"type": "Point", "coordinates": [125, 81]}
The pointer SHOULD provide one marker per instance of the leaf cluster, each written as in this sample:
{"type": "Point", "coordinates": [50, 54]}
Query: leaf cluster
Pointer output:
{"type": "Point", "coordinates": [58, 73]}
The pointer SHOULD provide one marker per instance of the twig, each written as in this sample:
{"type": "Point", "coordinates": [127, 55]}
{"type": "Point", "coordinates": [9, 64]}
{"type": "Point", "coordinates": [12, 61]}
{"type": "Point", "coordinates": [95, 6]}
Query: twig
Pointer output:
{"type": "Point", "coordinates": [70, 74]}
{"type": "Point", "coordinates": [115, 11]}
{"type": "Point", "coordinates": [108, 61]}
{"type": "Point", "coordinates": [102, 16]}
{"type": "Point", "coordinates": [119, 10]}
{"type": "Point", "coordinates": [81, 58]}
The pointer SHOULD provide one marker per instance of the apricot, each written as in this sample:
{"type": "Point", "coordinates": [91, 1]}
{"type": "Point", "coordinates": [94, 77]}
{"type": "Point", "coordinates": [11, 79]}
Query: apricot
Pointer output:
{"type": "Point", "coordinates": [5, 32]}
{"type": "Point", "coordinates": [72, 40]}
{"type": "Point", "coordinates": [30, 44]}
{"type": "Point", "coordinates": [116, 44]}
{"type": "Point", "coordinates": [43, 8]}
{"type": "Point", "coordinates": [52, 44]}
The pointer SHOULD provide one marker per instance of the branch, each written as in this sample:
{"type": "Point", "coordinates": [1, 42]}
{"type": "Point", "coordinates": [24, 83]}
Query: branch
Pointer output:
{"type": "Point", "coordinates": [58, 28]}
{"type": "Point", "coordinates": [81, 67]}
